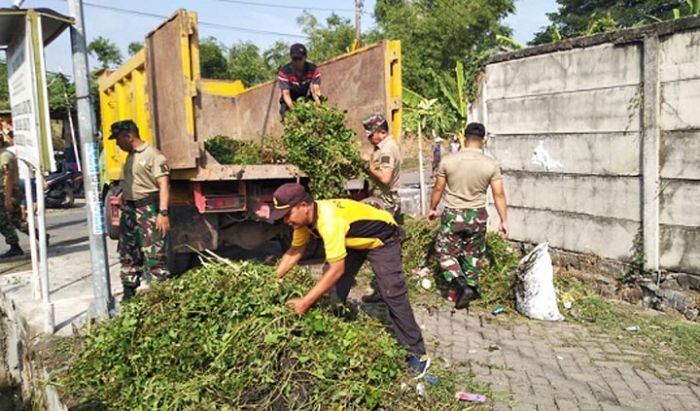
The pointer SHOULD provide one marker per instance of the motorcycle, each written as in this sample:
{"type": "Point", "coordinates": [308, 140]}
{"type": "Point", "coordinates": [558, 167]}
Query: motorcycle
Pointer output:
{"type": "Point", "coordinates": [62, 186]}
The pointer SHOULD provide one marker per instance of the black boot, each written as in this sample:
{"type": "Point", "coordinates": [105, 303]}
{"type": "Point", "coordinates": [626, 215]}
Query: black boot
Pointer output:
{"type": "Point", "coordinates": [465, 293]}
{"type": "Point", "coordinates": [14, 251]}
{"type": "Point", "coordinates": [129, 293]}
{"type": "Point", "coordinates": [375, 297]}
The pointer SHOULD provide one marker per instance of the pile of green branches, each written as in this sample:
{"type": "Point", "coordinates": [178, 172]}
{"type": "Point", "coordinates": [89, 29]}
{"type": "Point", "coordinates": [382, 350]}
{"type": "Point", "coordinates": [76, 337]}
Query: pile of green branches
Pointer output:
{"type": "Point", "coordinates": [221, 337]}
{"type": "Point", "coordinates": [229, 151]}
{"type": "Point", "coordinates": [497, 275]}
{"type": "Point", "coordinates": [323, 147]}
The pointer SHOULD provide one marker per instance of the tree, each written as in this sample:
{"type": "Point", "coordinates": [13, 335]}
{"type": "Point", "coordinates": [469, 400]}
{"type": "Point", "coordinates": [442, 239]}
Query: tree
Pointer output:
{"type": "Point", "coordinates": [277, 55]}
{"type": "Point", "coordinates": [331, 40]}
{"type": "Point", "coordinates": [134, 47]}
{"type": "Point", "coordinates": [437, 33]}
{"type": "Point", "coordinates": [106, 52]}
{"type": "Point", "coordinates": [212, 59]}
{"type": "Point", "coordinates": [585, 17]}
{"type": "Point", "coordinates": [4, 88]}
{"type": "Point", "coordinates": [246, 64]}
{"type": "Point", "coordinates": [61, 92]}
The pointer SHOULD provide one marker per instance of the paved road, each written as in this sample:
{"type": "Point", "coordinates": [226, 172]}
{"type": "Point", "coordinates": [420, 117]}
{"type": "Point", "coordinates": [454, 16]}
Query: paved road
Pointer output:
{"type": "Point", "coordinates": [536, 365]}
{"type": "Point", "coordinates": [68, 234]}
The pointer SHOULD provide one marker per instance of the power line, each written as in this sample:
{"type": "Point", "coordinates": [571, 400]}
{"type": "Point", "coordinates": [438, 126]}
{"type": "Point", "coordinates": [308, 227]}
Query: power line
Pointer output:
{"type": "Point", "coordinates": [285, 6]}
{"type": "Point", "coordinates": [201, 23]}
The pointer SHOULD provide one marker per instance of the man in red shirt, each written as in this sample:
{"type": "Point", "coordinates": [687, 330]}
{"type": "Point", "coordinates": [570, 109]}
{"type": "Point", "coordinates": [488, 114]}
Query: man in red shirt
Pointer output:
{"type": "Point", "coordinates": [298, 79]}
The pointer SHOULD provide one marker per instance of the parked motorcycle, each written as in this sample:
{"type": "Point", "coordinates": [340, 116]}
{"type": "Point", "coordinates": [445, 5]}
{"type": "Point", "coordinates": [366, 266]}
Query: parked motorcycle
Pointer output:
{"type": "Point", "coordinates": [62, 186]}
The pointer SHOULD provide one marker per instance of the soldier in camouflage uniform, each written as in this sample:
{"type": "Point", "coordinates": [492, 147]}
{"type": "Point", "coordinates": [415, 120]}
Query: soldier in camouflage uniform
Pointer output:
{"type": "Point", "coordinates": [10, 213]}
{"type": "Point", "coordinates": [384, 166]}
{"type": "Point", "coordinates": [465, 177]}
{"type": "Point", "coordinates": [144, 223]}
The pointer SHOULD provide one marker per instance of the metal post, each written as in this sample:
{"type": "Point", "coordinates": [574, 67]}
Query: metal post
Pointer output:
{"type": "Point", "coordinates": [358, 19]}
{"type": "Point", "coordinates": [36, 279]}
{"type": "Point", "coordinates": [43, 255]}
{"type": "Point", "coordinates": [72, 131]}
{"type": "Point", "coordinates": [421, 177]}
{"type": "Point", "coordinates": [102, 302]}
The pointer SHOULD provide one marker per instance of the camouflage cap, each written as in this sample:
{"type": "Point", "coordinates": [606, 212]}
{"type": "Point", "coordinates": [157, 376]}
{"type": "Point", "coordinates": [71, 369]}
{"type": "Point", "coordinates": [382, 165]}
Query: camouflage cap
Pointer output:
{"type": "Point", "coordinates": [124, 125]}
{"type": "Point", "coordinates": [374, 122]}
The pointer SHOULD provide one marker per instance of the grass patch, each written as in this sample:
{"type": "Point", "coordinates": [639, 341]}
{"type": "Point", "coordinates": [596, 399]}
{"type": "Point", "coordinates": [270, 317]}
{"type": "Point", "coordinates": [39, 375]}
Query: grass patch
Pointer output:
{"type": "Point", "coordinates": [669, 338]}
{"type": "Point", "coordinates": [220, 337]}
{"type": "Point", "coordinates": [497, 278]}
{"type": "Point", "coordinates": [663, 334]}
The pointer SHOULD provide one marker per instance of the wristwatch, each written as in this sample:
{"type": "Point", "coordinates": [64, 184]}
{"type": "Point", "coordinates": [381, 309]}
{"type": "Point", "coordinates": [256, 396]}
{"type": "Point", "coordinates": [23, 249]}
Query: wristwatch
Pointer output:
{"type": "Point", "coordinates": [164, 212]}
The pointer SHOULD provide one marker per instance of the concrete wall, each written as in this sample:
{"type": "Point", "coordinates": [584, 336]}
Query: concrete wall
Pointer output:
{"type": "Point", "coordinates": [599, 141]}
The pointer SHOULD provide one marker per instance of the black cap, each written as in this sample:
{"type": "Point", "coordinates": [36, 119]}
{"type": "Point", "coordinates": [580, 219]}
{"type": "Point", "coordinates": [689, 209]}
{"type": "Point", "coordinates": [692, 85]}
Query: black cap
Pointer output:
{"type": "Point", "coordinates": [124, 125]}
{"type": "Point", "coordinates": [297, 50]}
{"type": "Point", "coordinates": [287, 196]}
{"type": "Point", "coordinates": [475, 129]}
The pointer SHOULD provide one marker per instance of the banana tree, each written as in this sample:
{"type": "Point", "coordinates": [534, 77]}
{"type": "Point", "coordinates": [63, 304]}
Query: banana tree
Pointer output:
{"type": "Point", "coordinates": [693, 9]}
{"type": "Point", "coordinates": [453, 91]}
{"type": "Point", "coordinates": [508, 43]}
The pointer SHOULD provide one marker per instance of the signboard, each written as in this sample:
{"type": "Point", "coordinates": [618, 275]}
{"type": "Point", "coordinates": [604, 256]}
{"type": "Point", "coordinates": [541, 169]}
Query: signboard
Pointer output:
{"type": "Point", "coordinates": [28, 96]}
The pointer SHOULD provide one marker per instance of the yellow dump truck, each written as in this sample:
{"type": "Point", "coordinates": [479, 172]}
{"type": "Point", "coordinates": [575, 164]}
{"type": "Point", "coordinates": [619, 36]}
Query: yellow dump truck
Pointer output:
{"type": "Point", "coordinates": [212, 204]}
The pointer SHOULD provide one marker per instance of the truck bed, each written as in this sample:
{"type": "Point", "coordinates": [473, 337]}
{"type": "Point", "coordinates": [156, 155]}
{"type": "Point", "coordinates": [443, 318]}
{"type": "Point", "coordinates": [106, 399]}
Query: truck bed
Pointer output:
{"type": "Point", "coordinates": [242, 172]}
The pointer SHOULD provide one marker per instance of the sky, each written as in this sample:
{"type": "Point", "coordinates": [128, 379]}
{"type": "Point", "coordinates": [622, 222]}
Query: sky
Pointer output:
{"type": "Point", "coordinates": [246, 21]}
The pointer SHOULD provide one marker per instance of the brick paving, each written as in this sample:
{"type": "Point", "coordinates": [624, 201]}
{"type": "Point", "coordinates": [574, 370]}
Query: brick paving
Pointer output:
{"type": "Point", "coordinates": [534, 365]}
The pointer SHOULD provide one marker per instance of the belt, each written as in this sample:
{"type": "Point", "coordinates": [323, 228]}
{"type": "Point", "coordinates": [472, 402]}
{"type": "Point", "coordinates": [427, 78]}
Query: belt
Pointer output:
{"type": "Point", "coordinates": [151, 199]}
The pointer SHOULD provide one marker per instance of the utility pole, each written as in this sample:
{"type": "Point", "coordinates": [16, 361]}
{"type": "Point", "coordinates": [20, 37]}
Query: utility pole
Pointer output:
{"type": "Point", "coordinates": [358, 19]}
{"type": "Point", "coordinates": [102, 300]}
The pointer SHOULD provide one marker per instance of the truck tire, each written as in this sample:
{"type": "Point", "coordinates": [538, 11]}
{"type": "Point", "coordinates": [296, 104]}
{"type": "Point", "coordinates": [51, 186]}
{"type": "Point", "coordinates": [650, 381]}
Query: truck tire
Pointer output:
{"type": "Point", "coordinates": [314, 250]}
{"type": "Point", "coordinates": [179, 263]}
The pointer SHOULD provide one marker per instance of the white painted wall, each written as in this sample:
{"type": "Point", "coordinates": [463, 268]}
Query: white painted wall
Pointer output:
{"type": "Point", "coordinates": [567, 129]}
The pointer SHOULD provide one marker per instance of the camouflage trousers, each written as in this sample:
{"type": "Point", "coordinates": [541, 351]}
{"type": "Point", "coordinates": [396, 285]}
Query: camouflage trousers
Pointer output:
{"type": "Point", "coordinates": [461, 243]}
{"type": "Point", "coordinates": [141, 245]}
{"type": "Point", "coordinates": [10, 222]}
{"type": "Point", "coordinates": [392, 204]}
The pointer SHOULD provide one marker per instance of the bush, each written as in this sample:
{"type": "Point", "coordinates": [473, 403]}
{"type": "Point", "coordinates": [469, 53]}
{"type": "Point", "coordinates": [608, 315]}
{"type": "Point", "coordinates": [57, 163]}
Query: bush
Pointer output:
{"type": "Point", "coordinates": [220, 337]}
{"type": "Point", "coordinates": [319, 143]}
{"type": "Point", "coordinates": [229, 151]}
{"type": "Point", "coordinates": [497, 276]}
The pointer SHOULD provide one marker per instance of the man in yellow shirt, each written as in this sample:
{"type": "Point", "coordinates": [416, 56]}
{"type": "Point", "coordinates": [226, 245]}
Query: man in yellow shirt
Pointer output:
{"type": "Point", "coordinates": [352, 232]}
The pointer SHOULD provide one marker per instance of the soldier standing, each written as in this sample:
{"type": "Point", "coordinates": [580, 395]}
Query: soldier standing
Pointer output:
{"type": "Point", "coordinates": [384, 167]}
{"type": "Point", "coordinates": [384, 164]}
{"type": "Point", "coordinates": [144, 223]}
{"type": "Point", "coordinates": [10, 214]}
{"type": "Point", "coordinates": [461, 241]}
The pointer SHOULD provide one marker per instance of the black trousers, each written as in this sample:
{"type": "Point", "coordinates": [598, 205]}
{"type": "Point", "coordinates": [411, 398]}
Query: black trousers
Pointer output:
{"type": "Point", "coordinates": [386, 264]}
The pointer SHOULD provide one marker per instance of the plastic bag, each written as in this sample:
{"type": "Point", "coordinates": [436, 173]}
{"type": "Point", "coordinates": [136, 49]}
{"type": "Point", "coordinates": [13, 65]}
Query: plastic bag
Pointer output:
{"type": "Point", "coordinates": [534, 293]}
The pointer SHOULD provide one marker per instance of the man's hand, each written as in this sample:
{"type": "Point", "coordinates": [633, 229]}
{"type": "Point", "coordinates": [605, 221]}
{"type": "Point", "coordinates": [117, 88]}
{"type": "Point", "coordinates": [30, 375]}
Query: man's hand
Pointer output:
{"type": "Point", "coordinates": [503, 230]}
{"type": "Point", "coordinates": [365, 157]}
{"type": "Point", "coordinates": [163, 224]}
{"type": "Point", "coordinates": [433, 215]}
{"type": "Point", "coordinates": [298, 305]}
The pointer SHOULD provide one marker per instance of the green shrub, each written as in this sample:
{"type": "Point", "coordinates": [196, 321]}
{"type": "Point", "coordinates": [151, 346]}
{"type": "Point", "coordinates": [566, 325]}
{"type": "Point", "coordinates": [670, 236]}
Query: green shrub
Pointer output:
{"type": "Point", "coordinates": [319, 143]}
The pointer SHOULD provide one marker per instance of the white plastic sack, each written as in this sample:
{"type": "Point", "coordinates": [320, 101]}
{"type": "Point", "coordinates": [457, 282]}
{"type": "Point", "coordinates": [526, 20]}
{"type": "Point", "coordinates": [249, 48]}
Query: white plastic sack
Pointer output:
{"type": "Point", "coordinates": [534, 293]}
